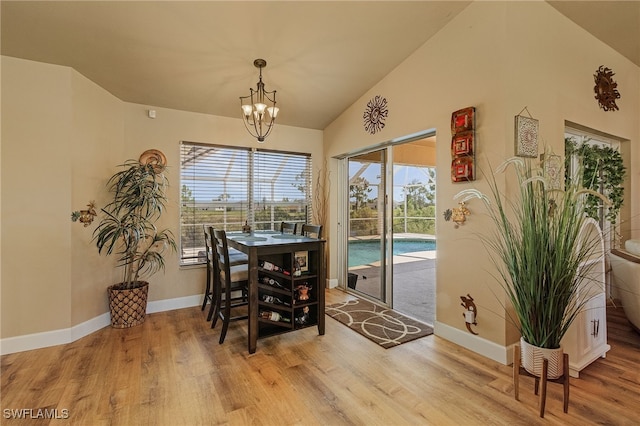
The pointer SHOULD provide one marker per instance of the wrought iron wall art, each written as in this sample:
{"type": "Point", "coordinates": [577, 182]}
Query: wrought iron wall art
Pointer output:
{"type": "Point", "coordinates": [463, 124]}
{"type": "Point", "coordinates": [606, 89]}
{"type": "Point", "coordinates": [526, 135]}
{"type": "Point", "coordinates": [375, 114]}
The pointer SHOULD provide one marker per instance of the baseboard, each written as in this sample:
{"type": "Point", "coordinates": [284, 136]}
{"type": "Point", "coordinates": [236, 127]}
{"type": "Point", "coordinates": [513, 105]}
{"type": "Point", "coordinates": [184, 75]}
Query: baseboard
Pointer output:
{"type": "Point", "coordinates": [91, 326]}
{"type": "Point", "coordinates": [45, 339]}
{"type": "Point", "coordinates": [479, 345]}
{"type": "Point", "coordinates": [177, 303]}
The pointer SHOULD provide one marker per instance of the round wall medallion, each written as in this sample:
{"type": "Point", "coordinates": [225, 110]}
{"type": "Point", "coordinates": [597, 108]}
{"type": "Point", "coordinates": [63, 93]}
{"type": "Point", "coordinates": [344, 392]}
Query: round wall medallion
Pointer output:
{"type": "Point", "coordinates": [606, 89]}
{"type": "Point", "coordinates": [375, 114]}
{"type": "Point", "coordinates": [154, 157]}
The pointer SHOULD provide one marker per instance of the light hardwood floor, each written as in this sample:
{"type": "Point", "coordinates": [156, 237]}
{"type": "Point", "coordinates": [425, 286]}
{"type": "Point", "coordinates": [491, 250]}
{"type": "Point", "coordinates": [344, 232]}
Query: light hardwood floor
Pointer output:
{"type": "Point", "coordinates": [172, 371]}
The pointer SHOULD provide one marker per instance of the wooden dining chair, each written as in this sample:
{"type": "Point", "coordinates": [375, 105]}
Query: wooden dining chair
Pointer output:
{"type": "Point", "coordinates": [230, 280]}
{"type": "Point", "coordinates": [236, 257]}
{"type": "Point", "coordinates": [208, 289]}
{"type": "Point", "coordinates": [288, 227]}
{"type": "Point", "coordinates": [309, 230]}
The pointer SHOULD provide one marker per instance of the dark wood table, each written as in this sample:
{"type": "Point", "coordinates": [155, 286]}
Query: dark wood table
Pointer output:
{"type": "Point", "coordinates": [264, 243]}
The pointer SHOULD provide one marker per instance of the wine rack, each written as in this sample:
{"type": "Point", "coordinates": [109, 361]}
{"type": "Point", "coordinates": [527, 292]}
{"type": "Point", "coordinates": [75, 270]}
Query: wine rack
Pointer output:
{"type": "Point", "coordinates": [293, 298]}
{"type": "Point", "coordinates": [298, 301]}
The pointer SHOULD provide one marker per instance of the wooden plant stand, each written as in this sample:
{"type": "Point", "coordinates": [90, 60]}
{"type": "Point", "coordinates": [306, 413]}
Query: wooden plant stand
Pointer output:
{"type": "Point", "coordinates": [564, 379]}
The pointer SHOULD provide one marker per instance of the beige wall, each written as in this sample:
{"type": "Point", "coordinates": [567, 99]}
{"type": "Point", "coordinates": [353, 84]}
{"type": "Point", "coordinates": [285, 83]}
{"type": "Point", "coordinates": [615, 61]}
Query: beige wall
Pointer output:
{"type": "Point", "coordinates": [61, 133]}
{"type": "Point", "coordinates": [96, 147]}
{"type": "Point", "coordinates": [63, 137]}
{"type": "Point", "coordinates": [36, 195]}
{"type": "Point", "coordinates": [165, 133]}
{"type": "Point", "coordinates": [497, 57]}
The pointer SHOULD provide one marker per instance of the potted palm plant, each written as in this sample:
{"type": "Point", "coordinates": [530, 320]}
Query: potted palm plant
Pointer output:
{"type": "Point", "coordinates": [540, 253]}
{"type": "Point", "coordinates": [128, 230]}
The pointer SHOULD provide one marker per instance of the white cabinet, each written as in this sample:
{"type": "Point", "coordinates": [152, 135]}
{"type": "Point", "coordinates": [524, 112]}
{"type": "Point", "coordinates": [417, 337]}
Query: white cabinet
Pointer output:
{"type": "Point", "coordinates": [586, 339]}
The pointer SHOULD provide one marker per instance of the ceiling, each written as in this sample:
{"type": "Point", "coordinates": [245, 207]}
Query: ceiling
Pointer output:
{"type": "Point", "coordinates": [198, 56]}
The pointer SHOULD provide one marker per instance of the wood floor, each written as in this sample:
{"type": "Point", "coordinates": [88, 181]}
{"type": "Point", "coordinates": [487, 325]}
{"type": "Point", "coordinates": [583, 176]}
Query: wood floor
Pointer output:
{"type": "Point", "coordinates": [172, 371]}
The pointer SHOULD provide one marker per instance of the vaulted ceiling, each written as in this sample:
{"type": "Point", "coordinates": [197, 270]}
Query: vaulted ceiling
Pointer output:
{"type": "Point", "coordinates": [198, 56]}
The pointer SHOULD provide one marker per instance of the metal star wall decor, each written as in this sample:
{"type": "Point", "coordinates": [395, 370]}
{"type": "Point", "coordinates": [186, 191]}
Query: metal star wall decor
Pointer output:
{"type": "Point", "coordinates": [375, 114]}
{"type": "Point", "coordinates": [606, 89]}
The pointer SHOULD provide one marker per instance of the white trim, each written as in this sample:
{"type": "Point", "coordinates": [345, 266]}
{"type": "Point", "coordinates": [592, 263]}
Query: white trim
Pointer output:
{"type": "Point", "coordinates": [45, 339]}
{"type": "Point", "coordinates": [27, 342]}
{"type": "Point", "coordinates": [177, 303]}
{"type": "Point", "coordinates": [484, 347]}
{"type": "Point", "coordinates": [86, 328]}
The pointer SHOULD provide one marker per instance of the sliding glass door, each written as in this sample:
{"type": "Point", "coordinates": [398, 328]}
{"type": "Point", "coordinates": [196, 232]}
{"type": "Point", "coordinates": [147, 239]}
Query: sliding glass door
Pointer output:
{"type": "Point", "coordinates": [366, 227]}
{"type": "Point", "coordinates": [387, 225]}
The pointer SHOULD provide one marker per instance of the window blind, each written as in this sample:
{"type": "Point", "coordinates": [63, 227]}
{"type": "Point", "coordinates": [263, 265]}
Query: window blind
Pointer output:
{"type": "Point", "coordinates": [225, 187]}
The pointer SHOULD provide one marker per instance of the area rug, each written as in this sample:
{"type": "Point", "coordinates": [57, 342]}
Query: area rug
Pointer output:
{"type": "Point", "coordinates": [386, 327]}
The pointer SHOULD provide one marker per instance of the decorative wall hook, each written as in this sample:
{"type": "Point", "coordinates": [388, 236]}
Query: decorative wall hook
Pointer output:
{"type": "Point", "coordinates": [470, 312]}
{"type": "Point", "coordinates": [458, 214]}
{"type": "Point", "coordinates": [85, 216]}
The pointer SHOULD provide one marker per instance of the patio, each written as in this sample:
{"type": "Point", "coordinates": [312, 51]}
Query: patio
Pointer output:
{"type": "Point", "coordinates": [414, 284]}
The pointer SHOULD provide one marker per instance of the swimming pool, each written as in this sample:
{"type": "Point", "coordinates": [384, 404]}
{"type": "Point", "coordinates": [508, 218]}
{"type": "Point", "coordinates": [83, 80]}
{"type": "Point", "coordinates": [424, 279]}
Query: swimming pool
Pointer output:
{"type": "Point", "coordinates": [363, 252]}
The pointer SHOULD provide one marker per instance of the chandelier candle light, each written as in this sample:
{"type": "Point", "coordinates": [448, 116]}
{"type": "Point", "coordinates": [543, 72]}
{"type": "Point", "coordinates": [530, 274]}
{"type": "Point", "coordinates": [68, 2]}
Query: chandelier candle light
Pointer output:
{"type": "Point", "coordinates": [256, 112]}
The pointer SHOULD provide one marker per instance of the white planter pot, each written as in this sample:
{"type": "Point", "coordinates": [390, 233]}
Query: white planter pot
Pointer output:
{"type": "Point", "coordinates": [532, 357]}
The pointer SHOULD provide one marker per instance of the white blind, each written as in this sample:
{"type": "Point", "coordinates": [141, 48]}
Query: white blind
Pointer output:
{"type": "Point", "coordinates": [226, 186]}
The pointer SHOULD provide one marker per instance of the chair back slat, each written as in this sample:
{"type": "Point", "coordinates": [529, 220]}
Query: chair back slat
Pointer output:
{"type": "Point", "coordinates": [288, 227]}
{"type": "Point", "coordinates": [208, 293]}
{"type": "Point", "coordinates": [309, 230]}
{"type": "Point", "coordinates": [229, 278]}
{"type": "Point", "coordinates": [221, 254]}
{"type": "Point", "coordinates": [207, 244]}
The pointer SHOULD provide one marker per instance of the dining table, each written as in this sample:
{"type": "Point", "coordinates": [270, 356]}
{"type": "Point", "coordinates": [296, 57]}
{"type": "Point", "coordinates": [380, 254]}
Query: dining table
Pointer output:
{"type": "Point", "coordinates": [257, 244]}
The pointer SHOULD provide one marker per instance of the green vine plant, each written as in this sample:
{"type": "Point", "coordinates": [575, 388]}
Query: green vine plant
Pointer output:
{"type": "Point", "coordinates": [602, 171]}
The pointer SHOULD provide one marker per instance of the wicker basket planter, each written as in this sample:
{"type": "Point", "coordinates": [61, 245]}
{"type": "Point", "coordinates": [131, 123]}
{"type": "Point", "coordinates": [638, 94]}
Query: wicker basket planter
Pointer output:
{"type": "Point", "coordinates": [532, 357]}
{"type": "Point", "coordinates": [128, 307]}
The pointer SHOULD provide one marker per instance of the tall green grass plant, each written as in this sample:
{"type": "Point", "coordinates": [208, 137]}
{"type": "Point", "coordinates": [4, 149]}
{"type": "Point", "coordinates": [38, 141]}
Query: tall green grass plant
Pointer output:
{"type": "Point", "coordinates": [538, 249]}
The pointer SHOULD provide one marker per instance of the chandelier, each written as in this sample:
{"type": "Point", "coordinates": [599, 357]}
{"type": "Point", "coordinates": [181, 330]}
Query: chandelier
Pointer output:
{"type": "Point", "coordinates": [258, 117]}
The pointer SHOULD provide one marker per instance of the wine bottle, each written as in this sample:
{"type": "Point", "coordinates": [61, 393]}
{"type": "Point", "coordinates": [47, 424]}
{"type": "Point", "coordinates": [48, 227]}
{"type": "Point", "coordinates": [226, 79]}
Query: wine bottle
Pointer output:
{"type": "Point", "coordinates": [272, 282]}
{"type": "Point", "coordinates": [274, 316]}
{"type": "Point", "coordinates": [275, 300]}
{"type": "Point", "coordinates": [271, 267]}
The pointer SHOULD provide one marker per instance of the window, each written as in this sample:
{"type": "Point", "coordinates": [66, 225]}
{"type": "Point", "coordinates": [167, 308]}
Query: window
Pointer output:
{"type": "Point", "coordinates": [226, 186]}
{"type": "Point", "coordinates": [597, 175]}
